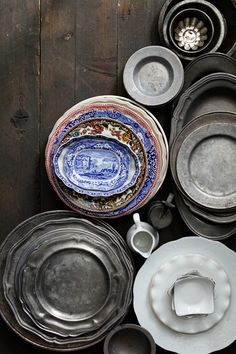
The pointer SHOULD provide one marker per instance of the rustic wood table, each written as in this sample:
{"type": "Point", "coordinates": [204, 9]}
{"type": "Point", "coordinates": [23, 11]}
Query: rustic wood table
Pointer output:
{"type": "Point", "coordinates": [55, 53]}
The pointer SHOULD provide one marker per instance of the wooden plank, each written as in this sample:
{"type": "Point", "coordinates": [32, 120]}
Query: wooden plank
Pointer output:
{"type": "Point", "coordinates": [58, 42]}
{"type": "Point", "coordinates": [96, 48]}
{"type": "Point", "coordinates": [19, 102]}
{"type": "Point", "coordinates": [78, 60]}
{"type": "Point", "coordinates": [137, 28]}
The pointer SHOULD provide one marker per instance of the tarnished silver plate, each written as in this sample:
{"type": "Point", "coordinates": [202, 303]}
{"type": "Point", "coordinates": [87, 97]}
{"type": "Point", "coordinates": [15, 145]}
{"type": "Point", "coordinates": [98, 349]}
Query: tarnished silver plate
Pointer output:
{"type": "Point", "coordinates": [57, 286]}
{"type": "Point", "coordinates": [218, 218]}
{"type": "Point", "coordinates": [206, 163]}
{"type": "Point", "coordinates": [212, 93]}
{"type": "Point", "coordinates": [202, 227]}
{"type": "Point", "coordinates": [14, 254]}
{"type": "Point", "coordinates": [153, 75]}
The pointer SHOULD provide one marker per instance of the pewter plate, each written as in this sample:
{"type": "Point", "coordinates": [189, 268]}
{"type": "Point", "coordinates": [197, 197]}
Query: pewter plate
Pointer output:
{"type": "Point", "coordinates": [207, 64]}
{"type": "Point", "coordinates": [218, 218]}
{"type": "Point", "coordinates": [16, 244]}
{"type": "Point", "coordinates": [153, 75]}
{"type": "Point", "coordinates": [213, 93]}
{"type": "Point", "coordinates": [206, 164]}
{"type": "Point", "coordinates": [122, 277]}
{"type": "Point", "coordinates": [57, 292]}
{"type": "Point", "coordinates": [201, 227]}
{"type": "Point", "coordinates": [217, 117]}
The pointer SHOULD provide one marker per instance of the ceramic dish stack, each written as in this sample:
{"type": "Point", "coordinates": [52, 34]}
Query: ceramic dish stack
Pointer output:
{"type": "Point", "coordinates": [184, 295]}
{"type": "Point", "coordinates": [106, 157]}
{"type": "Point", "coordinates": [65, 281]}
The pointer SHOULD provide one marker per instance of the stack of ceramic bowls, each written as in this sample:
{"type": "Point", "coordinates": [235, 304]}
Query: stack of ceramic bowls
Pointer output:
{"type": "Point", "coordinates": [66, 281]}
{"type": "Point", "coordinates": [106, 157]}
{"type": "Point", "coordinates": [202, 158]}
{"type": "Point", "coordinates": [184, 296]}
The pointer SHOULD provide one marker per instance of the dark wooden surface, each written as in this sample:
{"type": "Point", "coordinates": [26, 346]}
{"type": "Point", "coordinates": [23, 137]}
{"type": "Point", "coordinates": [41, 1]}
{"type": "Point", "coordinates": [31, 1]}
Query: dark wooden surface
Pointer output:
{"type": "Point", "coordinates": [55, 53]}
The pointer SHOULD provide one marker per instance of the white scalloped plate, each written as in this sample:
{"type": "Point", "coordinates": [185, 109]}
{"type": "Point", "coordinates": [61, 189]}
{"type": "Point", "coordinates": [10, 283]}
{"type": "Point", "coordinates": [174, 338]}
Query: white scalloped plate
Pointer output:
{"type": "Point", "coordinates": [216, 338]}
{"type": "Point", "coordinates": [169, 272]}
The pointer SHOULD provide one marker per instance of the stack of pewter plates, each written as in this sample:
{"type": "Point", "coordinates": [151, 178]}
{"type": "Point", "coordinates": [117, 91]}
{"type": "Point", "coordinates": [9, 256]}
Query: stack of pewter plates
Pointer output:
{"type": "Point", "coordinates": [203, 166]}
{"type": "Point", "coordinates": [106, 157]}
{"type": "Point", "coordinates": [65, 281]}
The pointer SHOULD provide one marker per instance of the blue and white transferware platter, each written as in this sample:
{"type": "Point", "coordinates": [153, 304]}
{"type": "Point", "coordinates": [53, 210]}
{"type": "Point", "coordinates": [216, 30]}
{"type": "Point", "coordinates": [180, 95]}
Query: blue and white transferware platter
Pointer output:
{"type": "Point", "coordinates": [137, 128]}
{"type": "Point", "coordinates": [96, 166]}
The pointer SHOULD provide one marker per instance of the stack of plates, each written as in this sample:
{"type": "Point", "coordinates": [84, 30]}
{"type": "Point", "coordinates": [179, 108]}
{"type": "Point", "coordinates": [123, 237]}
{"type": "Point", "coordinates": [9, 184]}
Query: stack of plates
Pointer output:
{"type": "Point", "coordinates": [66, 281]}
{"type": "Point", "coordinates": [194, 27]}
{"type": "Point", "coordinates": [154, 304]}
{"type": "Point", "coordinates": [203, 166]}
{"type": "Point", "coordinates": [106, 157]}
{"type": "Point", "coordinates": [203, 142]}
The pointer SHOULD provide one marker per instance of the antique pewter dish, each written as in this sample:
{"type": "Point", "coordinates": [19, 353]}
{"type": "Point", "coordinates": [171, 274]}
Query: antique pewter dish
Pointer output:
{"type": "Point", "coordinates": [213, 119]}
{"type": "Point", "coordinates": [17, 244]}
{"type": "Point", "coordinates": [129, 339]}
{"type": "Point", "coordinates": [191, 30]}
{"type": "Point", "coordinates": [213, 93]}
{"type": "Point", "coordinates": [227, 11]}
{"type": "Point", "coordinates": [87, 337]}
{"type": "Point", "coordinates": [61, 310]}
{"type": "Point", "coordinates": [207, 64]}
{"type": "Point", "coordinates": [206, 163]}
{"type": "Point", "coordinates": [153, 75]}
{"type": "Point", "coordinates": [202, 227]}
{"type": "Point", "coordinates": [96, 166]}
{"type": "Point", "coordinates": [193, 27]}
{"type": "Point", "coordinates": [218, 218]}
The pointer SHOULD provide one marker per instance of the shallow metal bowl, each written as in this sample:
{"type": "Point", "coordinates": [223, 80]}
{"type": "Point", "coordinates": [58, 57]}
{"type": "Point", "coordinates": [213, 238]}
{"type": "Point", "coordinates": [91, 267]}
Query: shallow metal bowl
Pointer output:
{"type": "Point", "coordinates": [153, 75]}
{"type": "Point", "coordinates": [129, 339]}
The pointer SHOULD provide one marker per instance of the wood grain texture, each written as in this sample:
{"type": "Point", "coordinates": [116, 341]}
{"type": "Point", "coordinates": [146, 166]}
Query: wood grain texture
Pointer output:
{"type": "Point", "coordinates": [19, 112]}
{"type": "Point", "coordinates": [136, 29]}
{"type": "Point", "coordinates": [96, 48]}
{"type": "Point", "coordinates": [58, 42]}
{"type": "Point", "coordinates": [55, 53]}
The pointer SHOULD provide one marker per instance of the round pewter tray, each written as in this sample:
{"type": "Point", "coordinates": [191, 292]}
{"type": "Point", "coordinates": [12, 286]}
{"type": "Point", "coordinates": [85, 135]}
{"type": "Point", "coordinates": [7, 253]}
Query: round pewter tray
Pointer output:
{"type": "Point", "coordinates": [26, 329]}
{"type": "Point", "coordinates": [226, 8]}
{"type": "Point", "coordinates": [153, 75]}
{"type": "Point", "coordinates": [206, 164]}
{"type": "Point", "coordinates": [213, 93]}
{"type": "Point", "coordinates": [218, 218]}
{"type": "Point", "coordinates": [202, 227]}
{"type": "Point", "coordinates": [207, 64]}
{"type": "Point", "coordinates": [210, 197]}
{"type": "Point", "coordinates": [65, 260]}
{"type": "Point", "coordinates": [206, 14]}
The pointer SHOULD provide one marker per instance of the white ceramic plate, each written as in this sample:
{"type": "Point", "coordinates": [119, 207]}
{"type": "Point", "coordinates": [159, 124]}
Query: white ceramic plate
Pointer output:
{"type": "Point", "coordinates": [173, 269]}
{"type": "Point", "coordinates": [216, 338]}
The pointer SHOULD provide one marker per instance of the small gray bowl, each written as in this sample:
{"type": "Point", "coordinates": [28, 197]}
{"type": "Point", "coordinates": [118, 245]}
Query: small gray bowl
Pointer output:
{"type": "Point", "coordinates": [129, 339]}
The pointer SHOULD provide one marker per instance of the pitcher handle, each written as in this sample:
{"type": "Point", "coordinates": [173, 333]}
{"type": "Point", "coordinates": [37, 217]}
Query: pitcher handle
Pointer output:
{"type": "Point", "coordinates": [136, 218]}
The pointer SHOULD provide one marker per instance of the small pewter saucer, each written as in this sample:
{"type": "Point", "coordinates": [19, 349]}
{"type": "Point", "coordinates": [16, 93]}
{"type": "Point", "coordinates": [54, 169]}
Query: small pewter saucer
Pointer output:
{"type": "Point", "coordinates": [129, 339]}
{"type": "Point", "coordinates": [153, 75]}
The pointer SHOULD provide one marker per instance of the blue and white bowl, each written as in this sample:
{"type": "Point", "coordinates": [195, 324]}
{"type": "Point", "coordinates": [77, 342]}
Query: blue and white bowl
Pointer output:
{"type": "Point", "coordinates": [96, 166]}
